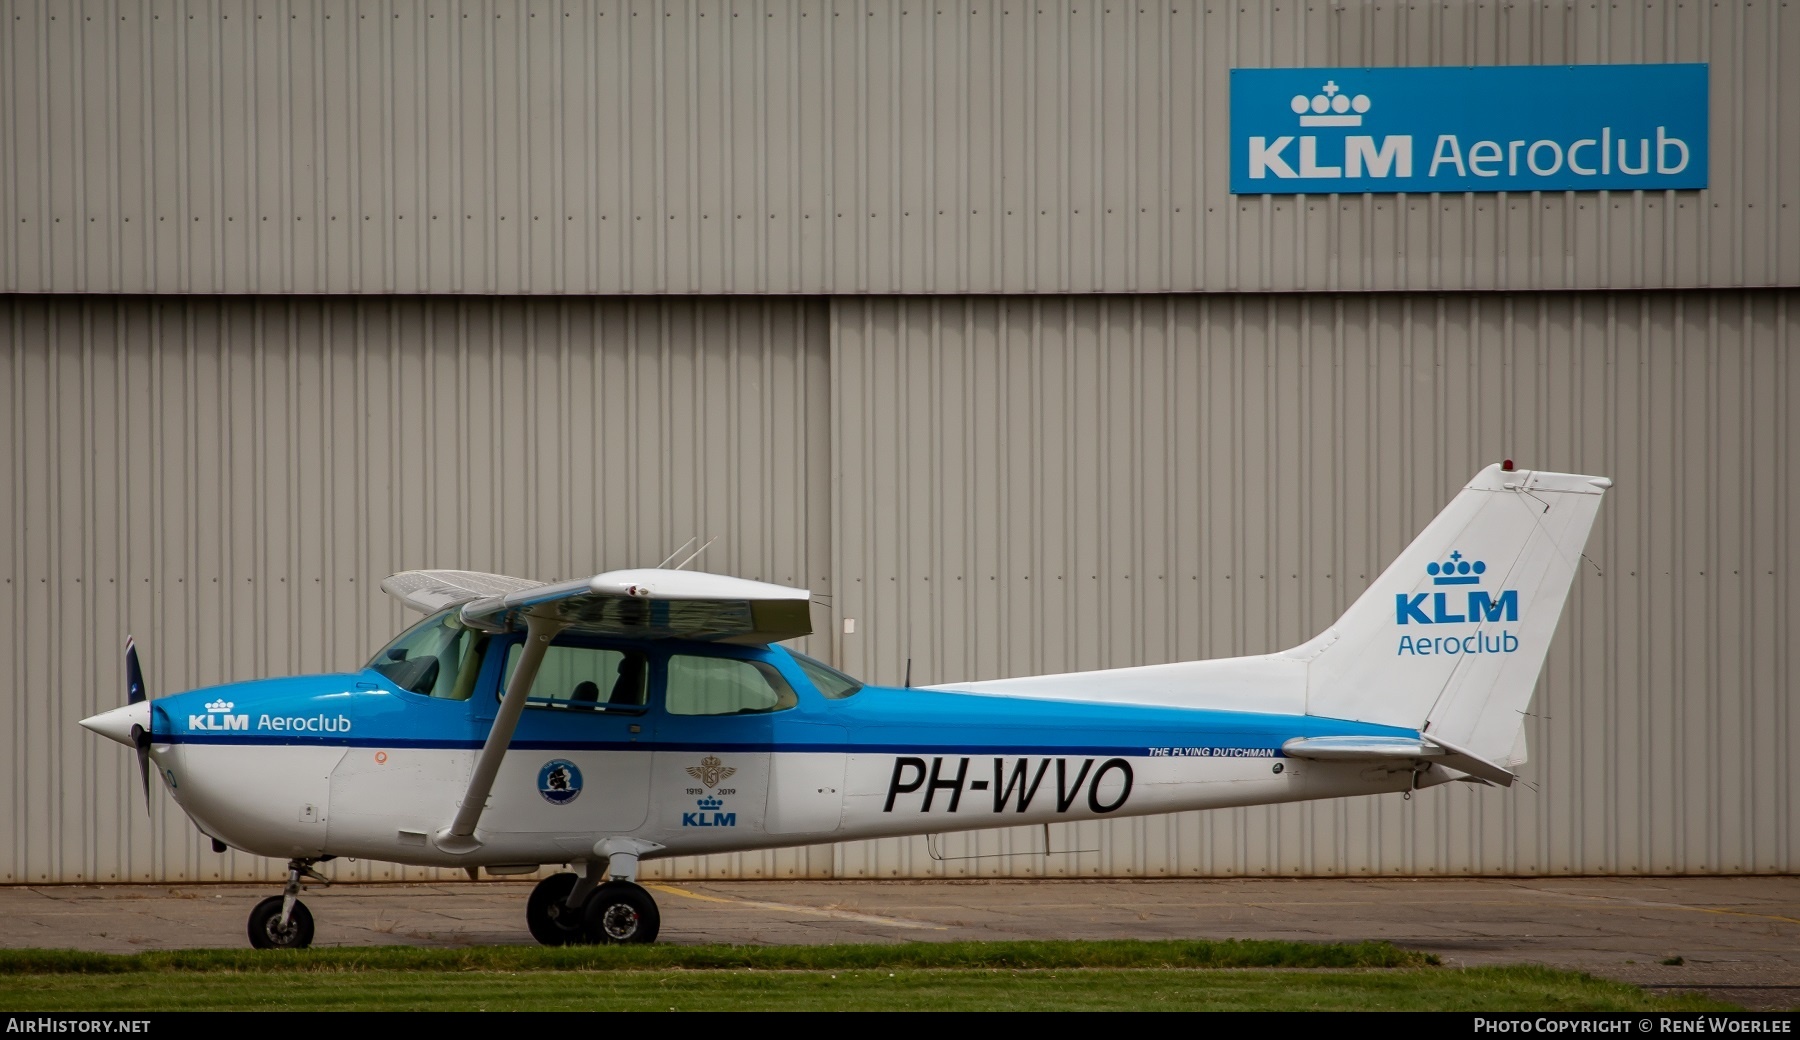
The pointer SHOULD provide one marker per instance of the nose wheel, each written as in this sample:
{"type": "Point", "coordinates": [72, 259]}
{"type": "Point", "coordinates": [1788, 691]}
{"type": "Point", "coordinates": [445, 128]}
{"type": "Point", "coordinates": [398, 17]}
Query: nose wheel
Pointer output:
{"type": "Point", "coordinates": [283, 922]}
{"type": "Point", "coordinates": [269, 932]}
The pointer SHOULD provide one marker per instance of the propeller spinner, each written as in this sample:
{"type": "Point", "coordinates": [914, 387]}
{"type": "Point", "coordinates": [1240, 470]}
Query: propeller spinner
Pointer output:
{"type": "Point", "coordinates": [129, 724]}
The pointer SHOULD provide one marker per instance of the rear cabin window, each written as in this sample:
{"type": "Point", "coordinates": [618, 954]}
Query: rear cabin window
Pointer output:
{"type": "Point", "coordinates": [584, 678]}
{"type": "Point", "coordinates": [725, 686]}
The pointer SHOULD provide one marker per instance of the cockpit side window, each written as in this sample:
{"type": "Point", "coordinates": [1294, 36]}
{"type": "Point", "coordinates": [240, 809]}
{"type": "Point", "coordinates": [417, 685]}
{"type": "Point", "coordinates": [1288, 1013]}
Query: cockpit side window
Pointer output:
{"type": "Point", "coordinates": [585, 678]}
{"type": "Point", "coordinates": [438, 657]}
{"type": "Point", "coordinates": [835, 685]}
{"type": "Point", "coordinates": [725, 686]}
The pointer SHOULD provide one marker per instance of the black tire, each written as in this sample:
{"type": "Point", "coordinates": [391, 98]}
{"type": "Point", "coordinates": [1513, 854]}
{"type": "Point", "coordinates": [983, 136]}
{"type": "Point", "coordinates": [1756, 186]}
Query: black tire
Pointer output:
{"type": "Point", "coordinates": [266, 932]}
{"type": "Point", "coordinates": [548, 915]}
{"type": "Point", "coordinates": [621, 912]}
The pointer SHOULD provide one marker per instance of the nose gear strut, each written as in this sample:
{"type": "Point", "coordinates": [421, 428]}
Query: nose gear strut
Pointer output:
{"type": "Point", "coordinates": [298, 871]}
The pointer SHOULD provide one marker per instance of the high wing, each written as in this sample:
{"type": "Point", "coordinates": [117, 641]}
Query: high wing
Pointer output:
{"type": "Point", "coordinates": [648, 603]}
{"type": "Point", "coordinates": [651, 603]}
{"type": "Point", "coordinates": [431, 591]}
{"type": "Point", "coordinates": [657, 604]}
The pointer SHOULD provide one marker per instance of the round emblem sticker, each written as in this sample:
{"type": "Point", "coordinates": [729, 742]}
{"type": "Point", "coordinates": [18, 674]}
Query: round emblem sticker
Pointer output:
{"type": "Point", "coordinates": [559, 781]}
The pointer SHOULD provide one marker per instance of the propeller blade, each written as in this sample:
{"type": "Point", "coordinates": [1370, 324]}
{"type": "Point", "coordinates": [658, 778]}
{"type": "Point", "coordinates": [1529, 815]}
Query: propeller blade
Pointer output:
{"type": "Point", "coordinates": [135, 692]}
{"type": "Point", "coordinates": [134, 675]}
{"type": "Point", "coordinates": [142, 739]}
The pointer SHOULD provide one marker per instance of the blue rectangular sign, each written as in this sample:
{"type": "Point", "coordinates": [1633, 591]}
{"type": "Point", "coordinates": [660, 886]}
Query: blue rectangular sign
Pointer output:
{"type": "Point", "coordinates": [1497, 128]}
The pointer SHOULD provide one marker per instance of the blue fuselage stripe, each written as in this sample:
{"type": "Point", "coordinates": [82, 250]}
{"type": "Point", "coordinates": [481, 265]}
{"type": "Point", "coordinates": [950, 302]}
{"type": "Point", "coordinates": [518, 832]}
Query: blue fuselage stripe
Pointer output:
{"type": "Point", "coordinates": [1065, 750]}
{"type": "Point", "coordinates": [364, 710]}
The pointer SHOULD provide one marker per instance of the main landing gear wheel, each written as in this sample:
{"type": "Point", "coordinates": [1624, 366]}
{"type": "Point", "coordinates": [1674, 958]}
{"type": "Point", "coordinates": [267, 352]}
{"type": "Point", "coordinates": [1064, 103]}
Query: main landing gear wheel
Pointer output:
{"type": "Point", "coordinates": [268, 933]}
{"type": "Point", "coordinates": [548, 914]}
{"type": "Point", "coordinates": [621, 912]}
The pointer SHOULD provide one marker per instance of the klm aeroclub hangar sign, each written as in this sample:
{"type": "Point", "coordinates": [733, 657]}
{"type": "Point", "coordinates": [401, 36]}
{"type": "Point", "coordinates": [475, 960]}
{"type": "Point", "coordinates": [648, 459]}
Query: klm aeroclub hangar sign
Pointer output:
{"type": "Point", "coordinates": [1506, 128]}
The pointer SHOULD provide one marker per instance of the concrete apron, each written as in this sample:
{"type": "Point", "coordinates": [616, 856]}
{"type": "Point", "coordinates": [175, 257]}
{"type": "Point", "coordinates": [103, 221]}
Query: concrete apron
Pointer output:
{"type": "Point", "coordinates": [1738, 938]}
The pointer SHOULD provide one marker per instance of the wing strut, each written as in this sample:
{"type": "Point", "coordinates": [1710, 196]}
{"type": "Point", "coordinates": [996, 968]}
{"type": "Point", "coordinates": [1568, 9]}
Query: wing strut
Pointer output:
{"type": "Point", "coordinates": [459, 837]}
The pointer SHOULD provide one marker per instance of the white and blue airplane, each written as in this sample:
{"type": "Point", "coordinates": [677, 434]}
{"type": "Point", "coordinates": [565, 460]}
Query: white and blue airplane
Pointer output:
{"type": "Point", "coordinates": [648, 713]}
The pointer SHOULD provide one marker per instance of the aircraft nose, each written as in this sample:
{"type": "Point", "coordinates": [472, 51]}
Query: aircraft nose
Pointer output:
{"type": "Point", "coordinates": [116, 724]}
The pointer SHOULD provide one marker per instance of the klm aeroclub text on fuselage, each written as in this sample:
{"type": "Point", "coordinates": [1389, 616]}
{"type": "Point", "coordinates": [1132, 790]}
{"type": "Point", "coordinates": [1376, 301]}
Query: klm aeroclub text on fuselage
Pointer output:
{"type": "Point", "coordinates": [1531, 128]}
{"type": "Point", "coordinates": [219, 719]}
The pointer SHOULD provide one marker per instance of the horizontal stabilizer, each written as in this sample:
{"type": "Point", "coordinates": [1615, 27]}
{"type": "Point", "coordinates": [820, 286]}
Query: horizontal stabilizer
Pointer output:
{"type": "Point", "coordinates": [1411, 750]}
{"type": "Point", "coordinates": [1359, 749]}
{"type": "Point", "coordinates": [1469, 762]}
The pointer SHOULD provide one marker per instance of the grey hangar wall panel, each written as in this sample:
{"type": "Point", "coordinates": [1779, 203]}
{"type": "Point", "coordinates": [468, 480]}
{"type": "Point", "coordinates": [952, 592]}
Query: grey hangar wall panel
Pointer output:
{"type": "Point", "coordinates": [1030, 485]}
{"type": "Point", "coordinates": [229, 479]}
{"type": "Point", "coordinates": [647, 146]}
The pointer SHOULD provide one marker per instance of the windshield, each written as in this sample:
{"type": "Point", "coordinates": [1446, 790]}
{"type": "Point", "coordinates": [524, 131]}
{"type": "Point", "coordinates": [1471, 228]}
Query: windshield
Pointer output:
{"type": "Point", "coordinates": [437, 657]}
{"type": "Point", "coordinates": [835, 685]}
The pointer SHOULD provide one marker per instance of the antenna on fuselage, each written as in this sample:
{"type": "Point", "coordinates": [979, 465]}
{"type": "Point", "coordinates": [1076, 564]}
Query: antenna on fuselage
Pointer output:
{"type": "Point", "coordinates": [676, 553]}
{"type": "Point", "coordinates": [909, 673]}
{"type": "Point", "coordinates": [697, 552]}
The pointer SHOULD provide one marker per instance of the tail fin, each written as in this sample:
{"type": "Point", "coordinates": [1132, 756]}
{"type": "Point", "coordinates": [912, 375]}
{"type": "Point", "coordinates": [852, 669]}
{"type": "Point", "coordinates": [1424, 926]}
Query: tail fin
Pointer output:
{"type": "Point", "coordinates": [1450, 639]}
{"type": "Point", "coordinates": [1453, 634]}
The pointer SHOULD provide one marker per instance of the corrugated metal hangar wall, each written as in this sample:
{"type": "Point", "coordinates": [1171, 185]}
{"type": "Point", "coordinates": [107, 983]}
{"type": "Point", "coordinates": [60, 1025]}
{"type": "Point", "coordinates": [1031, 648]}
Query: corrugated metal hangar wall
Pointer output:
{"type": "Point", "coordinates": [903, 389]}
{"type": "Point", "coordinates": [895, 146]}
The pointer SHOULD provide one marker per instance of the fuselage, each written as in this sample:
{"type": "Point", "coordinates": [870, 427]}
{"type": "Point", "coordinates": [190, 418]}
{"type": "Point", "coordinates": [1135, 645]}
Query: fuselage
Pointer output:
{"type": "Point", "coordinates": [357, 764]}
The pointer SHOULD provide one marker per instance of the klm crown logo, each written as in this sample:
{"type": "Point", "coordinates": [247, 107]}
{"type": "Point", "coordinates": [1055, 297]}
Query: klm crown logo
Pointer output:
{"type": "Point", "coordinates": [1477, 606]}
{"type": "Point", "coordinates": [710, 803]}
{"type": "Point", "coordinates": [1330, 107]}
{"type": "Point", "coordinates": [1449, 608]}
{"type": "Point", "coordinates": [1309, 156]}
{"type": "Point", "coordinates": [1456, 571]}
{"type": "Point", "coordinates": [219, 717]}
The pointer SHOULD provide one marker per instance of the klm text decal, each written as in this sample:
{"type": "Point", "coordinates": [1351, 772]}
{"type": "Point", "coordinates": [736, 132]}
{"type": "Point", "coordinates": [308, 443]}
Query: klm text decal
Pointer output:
{"type": "Point", "coordinates": [1457, 600]}
{"type": "Point", "coordinates": [710, 811]}
{"type": "Point", "coordinates": [220, 718]}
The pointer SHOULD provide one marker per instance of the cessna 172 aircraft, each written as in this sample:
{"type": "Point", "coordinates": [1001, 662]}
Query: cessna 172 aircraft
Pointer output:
{"type": "Point", "coordinates": [648, 713]}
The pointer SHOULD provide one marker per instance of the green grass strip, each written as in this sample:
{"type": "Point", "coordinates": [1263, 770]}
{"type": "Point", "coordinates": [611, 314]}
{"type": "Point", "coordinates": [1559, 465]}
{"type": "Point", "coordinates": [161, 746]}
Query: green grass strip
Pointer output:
{"type": "Point", "coordinates": [1228, 953]}
{"type": "Point", "coordinates": [895, 989]}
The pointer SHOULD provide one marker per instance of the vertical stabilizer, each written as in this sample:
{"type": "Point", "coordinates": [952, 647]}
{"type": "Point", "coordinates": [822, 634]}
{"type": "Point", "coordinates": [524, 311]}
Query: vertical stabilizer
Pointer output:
{"type": "Point", "coordinates": [1453, 635]}
{"type": "Point", "coordinates": [1449, 639]}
